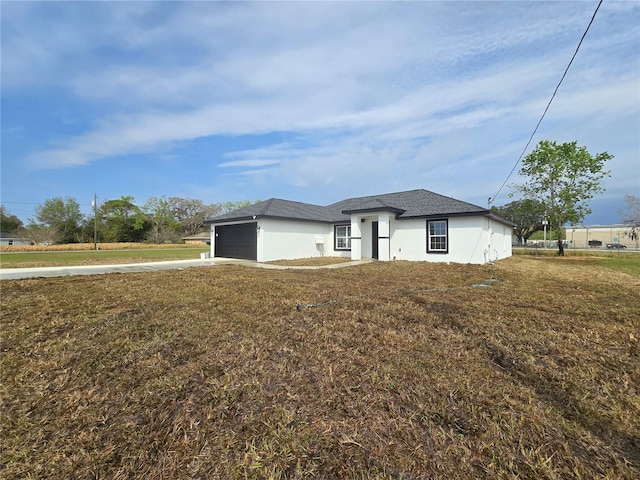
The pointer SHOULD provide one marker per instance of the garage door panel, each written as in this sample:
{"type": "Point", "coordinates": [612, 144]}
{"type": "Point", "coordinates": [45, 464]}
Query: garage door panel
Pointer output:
{"type": "Point", "coordinates": [237, 241]}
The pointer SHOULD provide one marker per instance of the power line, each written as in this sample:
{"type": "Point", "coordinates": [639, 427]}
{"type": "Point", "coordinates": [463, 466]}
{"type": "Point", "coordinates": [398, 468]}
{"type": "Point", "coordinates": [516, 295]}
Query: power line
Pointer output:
{"type": "Point", "coordinates": [548, 104]}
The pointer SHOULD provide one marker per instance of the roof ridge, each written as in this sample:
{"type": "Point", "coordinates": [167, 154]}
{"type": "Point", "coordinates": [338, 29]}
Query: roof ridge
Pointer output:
{"type": "Point", "coordinates": [267, 203]}
{"type": "Point", "coordinates": [416, 203]}
{"type": "Point", "coordinates": [377, 196]}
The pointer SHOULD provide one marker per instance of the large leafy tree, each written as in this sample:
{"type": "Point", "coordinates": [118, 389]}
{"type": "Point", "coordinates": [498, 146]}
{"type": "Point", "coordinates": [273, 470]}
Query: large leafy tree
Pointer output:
{"type": "Point", "coordinates": [231, 206]}
{"type": "Point", "coordinates": [527, 214]}
{"type": "Point", "coordinates": [124, 221]}
{"type": "Point", "coordinates": [563, 177]}
{"type": "Point", "coordinates": [63, 216]}
{"type": "Point", "coordinates": [9, 223]}
{"type": "Point", "coordinates": [160, 217]}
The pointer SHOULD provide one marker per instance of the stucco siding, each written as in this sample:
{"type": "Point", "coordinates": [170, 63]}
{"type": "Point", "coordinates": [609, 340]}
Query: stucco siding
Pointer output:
{"type": "Point", "coordinates": [282, 239]}
{"type": "Point", "coordinates": [468, 241]}
{"type": "Point", "coordinates": [15, 241]}
{"type": "Point", "coordinates": [504, 238]}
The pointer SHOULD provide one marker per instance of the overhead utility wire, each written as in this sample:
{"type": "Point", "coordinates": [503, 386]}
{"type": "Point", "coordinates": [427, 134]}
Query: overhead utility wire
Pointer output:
{"type": "Point", "coordinates": [548, 104]}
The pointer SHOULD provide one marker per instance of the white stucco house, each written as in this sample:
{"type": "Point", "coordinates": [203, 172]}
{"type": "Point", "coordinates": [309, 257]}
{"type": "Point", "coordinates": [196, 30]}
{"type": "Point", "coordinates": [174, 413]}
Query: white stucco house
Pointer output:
{"type": "Point", "coordinates": [416, 225]}
{"type": "Point", "coordinates": [9, 240]}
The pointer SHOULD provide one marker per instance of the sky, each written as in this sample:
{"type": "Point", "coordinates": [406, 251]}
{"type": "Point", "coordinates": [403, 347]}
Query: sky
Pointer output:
{"type": "Point", "coordinates": [309, 101]}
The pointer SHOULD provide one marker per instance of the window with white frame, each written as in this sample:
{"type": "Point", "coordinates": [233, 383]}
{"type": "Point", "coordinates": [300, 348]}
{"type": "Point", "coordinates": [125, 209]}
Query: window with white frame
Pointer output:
{"type": "Point", "coordinates": [342, 237]}
{"type": "Point", "coordinates": [437, 236]}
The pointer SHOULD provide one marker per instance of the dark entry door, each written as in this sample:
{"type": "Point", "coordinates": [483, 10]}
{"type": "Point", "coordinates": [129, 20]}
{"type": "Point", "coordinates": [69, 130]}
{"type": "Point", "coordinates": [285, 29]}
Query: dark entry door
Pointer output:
{"type": "Point", "coordinates": [374, 240]}
{"type": "Point", "coordinates": [237, 241]}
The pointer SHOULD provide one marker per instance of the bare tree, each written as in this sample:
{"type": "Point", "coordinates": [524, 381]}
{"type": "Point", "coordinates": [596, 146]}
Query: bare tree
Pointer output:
{"type": "Point", "coordinates": [631, 216]}
{"type": "Point", "coordinates": [42, 234]}
{"type": "Point", "coordinates": [191, 213]}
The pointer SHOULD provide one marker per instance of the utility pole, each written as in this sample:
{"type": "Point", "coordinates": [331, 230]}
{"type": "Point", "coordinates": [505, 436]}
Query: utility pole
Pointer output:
{"type": "Point", "coordinates": [95, 222]}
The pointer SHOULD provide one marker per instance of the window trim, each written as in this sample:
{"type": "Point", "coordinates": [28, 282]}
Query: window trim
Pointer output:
{"type": "Point", "coordinates": [445, 236]}
{"type": "Point", "coordinates": [348, 237]}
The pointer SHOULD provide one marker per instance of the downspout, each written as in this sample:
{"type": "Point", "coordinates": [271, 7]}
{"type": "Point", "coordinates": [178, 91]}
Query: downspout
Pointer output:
{"type": "Point", "coordinates": [490, 233]}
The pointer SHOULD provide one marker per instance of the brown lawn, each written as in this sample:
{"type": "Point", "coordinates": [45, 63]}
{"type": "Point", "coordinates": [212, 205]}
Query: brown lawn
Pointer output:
{"type": "Point", "coordinates": [407, 371]}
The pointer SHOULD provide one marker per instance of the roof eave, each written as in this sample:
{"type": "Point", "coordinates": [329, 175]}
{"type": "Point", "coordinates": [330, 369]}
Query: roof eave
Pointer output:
{"type": "Point", "coordinates": [271, 217]}
{"type": "Point", "coordinates": [395, 210]}
{"type": "Point", "coordinates": [500, 219]}
{"type": "Point", "coordinates": [212, 221]}
{"type": "Point", "coordinates": [445, 215]}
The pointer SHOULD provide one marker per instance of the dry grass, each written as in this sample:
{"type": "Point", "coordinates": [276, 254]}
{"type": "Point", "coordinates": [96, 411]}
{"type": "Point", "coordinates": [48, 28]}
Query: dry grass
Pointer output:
{"type": "Point", "coordinates": [213, 373]}
{"type": "Point", "coordinates": [75, 247]}
{"type": "Point", "coordinates": [311, 262]}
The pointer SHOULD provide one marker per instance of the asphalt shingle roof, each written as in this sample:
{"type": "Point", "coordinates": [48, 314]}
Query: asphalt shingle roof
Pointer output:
{"type": "Point", "coordinates": [409, 204]}
{"type": "Point", "coordinates": [277, 208]}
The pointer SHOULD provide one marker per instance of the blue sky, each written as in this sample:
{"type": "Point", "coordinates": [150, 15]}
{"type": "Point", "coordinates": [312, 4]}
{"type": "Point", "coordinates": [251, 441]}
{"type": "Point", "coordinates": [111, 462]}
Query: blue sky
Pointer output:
{"type": "Point", "coordinates": [312, 102]}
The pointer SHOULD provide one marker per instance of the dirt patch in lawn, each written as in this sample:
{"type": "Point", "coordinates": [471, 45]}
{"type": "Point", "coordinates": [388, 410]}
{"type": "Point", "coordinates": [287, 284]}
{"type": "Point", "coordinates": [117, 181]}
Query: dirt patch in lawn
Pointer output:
{"type": "Point", "coordinates": [311, 262]}
{"type": "Point", "coordinates": [409, 370]}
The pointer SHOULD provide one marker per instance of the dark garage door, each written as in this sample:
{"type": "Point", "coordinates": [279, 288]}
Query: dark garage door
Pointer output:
{"type": "Point", "coordinates": [237, 241]}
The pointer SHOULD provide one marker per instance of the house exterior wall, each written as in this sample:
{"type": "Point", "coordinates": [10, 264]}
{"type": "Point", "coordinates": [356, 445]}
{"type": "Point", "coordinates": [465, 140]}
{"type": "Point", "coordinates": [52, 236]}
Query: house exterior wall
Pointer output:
{"type": "Point", "coordinates": [502, 240]}
{"type": "Point", "coordinates": [15, 241]}
{"type": "Point", "coordinates": [384, 237]}
{"type": "Point", "coordinates": [468, 240]}
{"type": "Point", "coordinates": [356, 239]}
{"type": "Point", "coordinates": [283, 239]}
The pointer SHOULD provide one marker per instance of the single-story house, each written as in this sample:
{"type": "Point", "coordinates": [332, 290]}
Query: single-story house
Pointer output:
{"type": "Point", "coordinates": [416, 225]}
{"type": "Point", "coordinates": [198, 239]}
{"type": "Point", "coordinates": [9, 239]}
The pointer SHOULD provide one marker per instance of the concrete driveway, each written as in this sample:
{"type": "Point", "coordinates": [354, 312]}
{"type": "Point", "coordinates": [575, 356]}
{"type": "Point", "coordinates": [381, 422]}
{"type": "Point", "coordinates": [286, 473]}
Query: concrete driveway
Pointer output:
{"type": "Point", "coordinates": [19, 273]}
{"type": "Point", "coordinates": [39, 272]}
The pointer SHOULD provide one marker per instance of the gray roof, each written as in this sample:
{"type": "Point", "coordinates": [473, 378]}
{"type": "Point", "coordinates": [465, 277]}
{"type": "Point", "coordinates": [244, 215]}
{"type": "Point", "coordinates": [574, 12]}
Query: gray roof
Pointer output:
{"type": "Point", "coordinates": [277, 208]}
{"type": "Point", "coordinates": [410, 204]}
{"type": "Point", "coordinates": [11, 236]}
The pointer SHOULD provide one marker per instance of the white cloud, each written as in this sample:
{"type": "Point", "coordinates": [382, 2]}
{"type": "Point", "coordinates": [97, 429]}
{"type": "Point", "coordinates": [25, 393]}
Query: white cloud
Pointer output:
{"type": "Point", "coordinates": [385, 92]}
{"type": "Point", "coordinates": [248, 163]}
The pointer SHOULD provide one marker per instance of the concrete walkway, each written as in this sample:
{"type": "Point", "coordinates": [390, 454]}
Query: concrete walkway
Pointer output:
{"type": "Point", "coordinates": [39, 272]}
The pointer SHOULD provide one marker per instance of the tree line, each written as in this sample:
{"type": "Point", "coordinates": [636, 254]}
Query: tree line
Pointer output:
{"type": "Point", "coordinates": [559, 181]}
{"type": "Point", "coordinates": [158, 220]}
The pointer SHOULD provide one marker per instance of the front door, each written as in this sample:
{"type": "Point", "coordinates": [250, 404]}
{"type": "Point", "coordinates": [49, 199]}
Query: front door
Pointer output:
{"type": "Point", "coordinates": [374, 240]}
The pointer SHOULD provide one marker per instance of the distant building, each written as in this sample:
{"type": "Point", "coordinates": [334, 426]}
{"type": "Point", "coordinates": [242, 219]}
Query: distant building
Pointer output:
{"type": "Point", "coordinates": [10, 239]}
{"type": "Point", "coordinates": [202, 238]}
{"type": "Point", "coordinates": [598, 236]}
